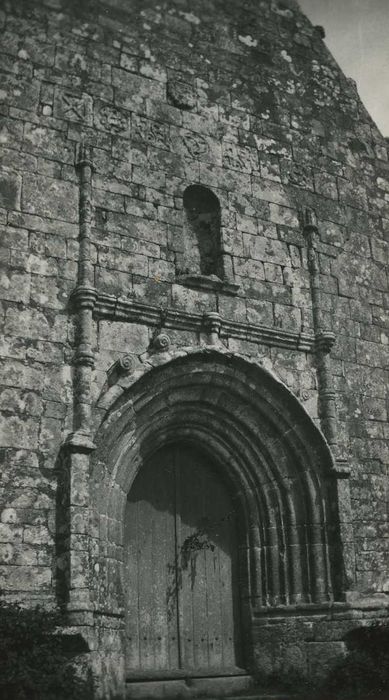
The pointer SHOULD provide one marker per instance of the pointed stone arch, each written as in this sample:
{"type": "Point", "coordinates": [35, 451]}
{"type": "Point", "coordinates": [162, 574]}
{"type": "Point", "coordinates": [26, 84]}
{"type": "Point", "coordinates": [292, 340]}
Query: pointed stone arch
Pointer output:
{"type": "Point", "coordinates": [275, 457]}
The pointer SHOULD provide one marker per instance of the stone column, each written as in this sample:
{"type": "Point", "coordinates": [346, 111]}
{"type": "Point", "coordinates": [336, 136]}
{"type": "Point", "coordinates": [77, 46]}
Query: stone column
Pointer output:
{"type": "Point", "coordinates": [324, 341]}
{"type": "Point", "coordinates": [79, 444]}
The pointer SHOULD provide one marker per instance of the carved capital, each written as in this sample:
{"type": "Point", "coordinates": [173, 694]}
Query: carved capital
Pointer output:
{"type": "Point", "coordinates": [324, 342]}
{"type": "Point", "coordinates": [83, 297]}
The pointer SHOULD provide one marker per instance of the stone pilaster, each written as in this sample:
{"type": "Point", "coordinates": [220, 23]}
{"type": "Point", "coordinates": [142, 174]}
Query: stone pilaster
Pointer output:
{"type": "Point", "coordinates": [324, 341]}
{"type": "Point", "coordinates": [79, 443]}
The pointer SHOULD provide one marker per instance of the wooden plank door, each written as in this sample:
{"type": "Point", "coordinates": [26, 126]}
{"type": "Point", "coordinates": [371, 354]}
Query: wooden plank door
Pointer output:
{"type": "Point", "coordinates": [181, 567]}
{"type": "Point", "coordinates": [209, 607]}
{"type": "Point", "coordinates": [150, 568]}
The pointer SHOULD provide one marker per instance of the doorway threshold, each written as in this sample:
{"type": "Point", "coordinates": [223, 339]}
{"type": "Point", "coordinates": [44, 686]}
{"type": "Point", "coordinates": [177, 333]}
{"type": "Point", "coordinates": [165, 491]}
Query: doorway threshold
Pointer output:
{"type": "Point", "coordinates": [172, 674]}
{"type": "Point", "coordinates": [185, 685]}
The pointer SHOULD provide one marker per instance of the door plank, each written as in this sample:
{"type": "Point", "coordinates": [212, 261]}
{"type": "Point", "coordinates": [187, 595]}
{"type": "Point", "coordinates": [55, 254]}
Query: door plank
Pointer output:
{"type": "Point", "coordinates": [208, 604]}
{"type": "Point", "coordinates": [152, 499]}
{"type": "Point", "coordinates": [212, 556]}
{"type": "Point", "coordinates": [131, 584]}
{"type": "Point", "coordinates": [196, 483]}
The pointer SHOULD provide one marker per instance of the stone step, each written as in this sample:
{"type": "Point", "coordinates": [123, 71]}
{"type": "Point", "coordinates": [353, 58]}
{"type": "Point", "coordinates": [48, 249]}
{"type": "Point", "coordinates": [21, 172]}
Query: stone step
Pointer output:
{"type": "Point", "coordinates": [239, 687]}
{"type": "Point", "coordinates": [256, 695]}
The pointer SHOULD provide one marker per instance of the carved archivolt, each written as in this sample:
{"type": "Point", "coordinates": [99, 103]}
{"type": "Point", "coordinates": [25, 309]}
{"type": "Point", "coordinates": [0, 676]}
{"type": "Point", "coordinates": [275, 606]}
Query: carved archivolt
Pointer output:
{"type": "Point", "coordinates": [276, 459]}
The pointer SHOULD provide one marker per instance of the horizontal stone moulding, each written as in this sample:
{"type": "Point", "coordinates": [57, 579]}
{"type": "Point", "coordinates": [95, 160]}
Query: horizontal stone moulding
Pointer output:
{"type": "Point", "coordinates": [119, 309]}
{"type": "Point", "coordinates": [298, 609]}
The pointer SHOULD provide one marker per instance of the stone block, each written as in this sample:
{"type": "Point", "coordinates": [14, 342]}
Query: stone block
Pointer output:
{"type": "Point", "coordinates": [135, 226]}
{"type": "Point", "coordinates": [248, 268]}
{"type": "Point", "coordinates": [11, 133]}
{"type": "Point", "coordinates": [114, 282]}
{"type": "Point", "coordinates": [55, 199]}
{"type": "Point", "coordinates": [269, 250]}
{"type": "Point", "coordinates": [380, 250]}
{"type": "Point", "coordinates": [51, 435]}
{"type": "Point", "coordinates": [232, 308]}
{"type": "Point", "coordinates": [271, 191]}
{"type": "Point", "coordinates": [109, 201]}
{"type": "Point", "coordinates": [161, 270]}
{"type": "Point", "coordinates": [25, 578]}
{"type": "Point", "coordinates": [10, 189]}
{"type": "Point", "coordinates": [115, 259]}
{"type": "Point", "coordinates": [283, 215]}
{"type": "Point", "coordinates": [123, 337]}
{"type": "Point", "coordinates": [192, 300]}
{"type": "Point", "coordinates": [323, 656]}
{"type": "Point", "coordinates": [326, 185]}
{"type": "Point", "coordinates": [44, 225]}
{"type": "Point", "coordinates": [18, 432]}
{"type": "Point", "coordinates": [12, 237]}
{"type": "Point", "coordinates": [42, 141]}
{"type": "Point", "coordinates": [19, 93]}
{"type": "Point", "coordinates": [372, 354]}
{"type": "Point", "coordinates": [260, 312]}
{"type": "Point", "coordinates": [19, 402]}
{"type": "Point", "coordinates": [152, 291]}
{"type": "Point", "coordinates": [273, 273]}
{"type": "Point", "coordinates": [45, 351]}
{"type": "Point", "coordinates": [28, 324]}
{"type": "Point", "coordinates": [14, 285]}
{"type": "Point", "coordinates": [10, 533]}
{"type": "Point", "coordinates": [50, 292]}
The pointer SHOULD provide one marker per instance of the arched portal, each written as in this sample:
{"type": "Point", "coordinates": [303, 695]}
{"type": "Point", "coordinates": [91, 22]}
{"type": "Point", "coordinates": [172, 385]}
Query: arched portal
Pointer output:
{"type": "Point", "coordinates": [269, 452]}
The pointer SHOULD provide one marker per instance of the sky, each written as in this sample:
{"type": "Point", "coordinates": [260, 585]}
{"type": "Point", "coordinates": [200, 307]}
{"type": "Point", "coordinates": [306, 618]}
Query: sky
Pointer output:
{"type": "Point", "coordinates": [357, 34]}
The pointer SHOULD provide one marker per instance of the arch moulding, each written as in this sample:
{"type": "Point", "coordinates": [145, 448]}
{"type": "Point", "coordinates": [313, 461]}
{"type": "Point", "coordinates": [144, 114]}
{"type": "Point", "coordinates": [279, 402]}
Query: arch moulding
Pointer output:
{"type": "Point", "coordinates": [277, 460]}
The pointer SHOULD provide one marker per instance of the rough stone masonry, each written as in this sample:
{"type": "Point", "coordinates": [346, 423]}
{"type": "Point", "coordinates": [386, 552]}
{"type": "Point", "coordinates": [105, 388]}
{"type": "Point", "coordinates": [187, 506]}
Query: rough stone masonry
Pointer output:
{"type": "Point", "coordinates": [194, 209]}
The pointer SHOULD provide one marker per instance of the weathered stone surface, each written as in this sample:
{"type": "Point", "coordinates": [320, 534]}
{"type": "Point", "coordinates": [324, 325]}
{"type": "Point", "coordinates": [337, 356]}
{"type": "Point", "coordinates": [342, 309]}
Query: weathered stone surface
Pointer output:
{"type": "Point", "coordinates": [242, 99]}
{"type": "Point", "coordinates": [121, 336]}
{"type": "Point", "coordinates": [10, 188]}
{"type": "Point", "coordinates": [50, 198]}
{"type": "Point", "coordinates": [324, 656]}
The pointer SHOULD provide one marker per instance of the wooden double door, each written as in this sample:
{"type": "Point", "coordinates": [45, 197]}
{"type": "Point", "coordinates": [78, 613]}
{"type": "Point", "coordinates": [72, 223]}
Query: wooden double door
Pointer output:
{"type": "Point", "coordinates": [181, 569]}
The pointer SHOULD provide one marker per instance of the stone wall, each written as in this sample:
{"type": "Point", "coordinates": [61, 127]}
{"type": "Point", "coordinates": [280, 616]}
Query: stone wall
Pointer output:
{"type": "Point", "coordinates": [243, 99]}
